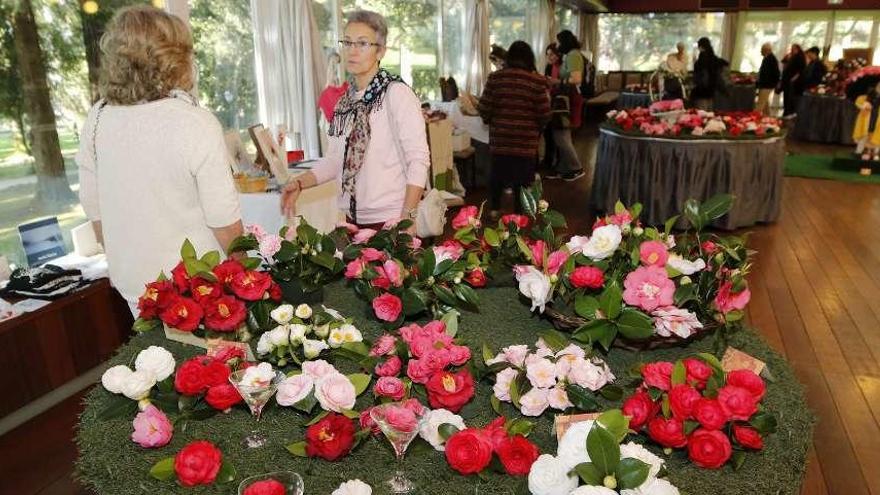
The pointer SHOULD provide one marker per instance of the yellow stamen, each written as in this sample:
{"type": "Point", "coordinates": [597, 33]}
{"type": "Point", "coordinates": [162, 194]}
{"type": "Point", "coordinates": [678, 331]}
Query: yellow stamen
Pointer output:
{"type": "Point", "coordinates": [449, 383]}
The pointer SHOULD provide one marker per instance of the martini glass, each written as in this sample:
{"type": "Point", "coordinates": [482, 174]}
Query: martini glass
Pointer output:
{"type": "Point", "coordinates": [255, 395]}
{"type": "Point", "coordinates": [400, 426]}
{"type": "Point", "coordinates": [293, 483]}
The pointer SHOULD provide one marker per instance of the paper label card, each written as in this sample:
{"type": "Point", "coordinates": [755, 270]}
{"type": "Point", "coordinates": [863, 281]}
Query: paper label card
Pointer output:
{"type": "Point", "coordinates": [735, 359]}
{"type": "Point", "coordinates": [563, 422]}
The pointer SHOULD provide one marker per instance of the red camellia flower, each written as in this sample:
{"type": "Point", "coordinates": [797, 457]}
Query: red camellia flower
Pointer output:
{"type": "Point", "coordinates": [204, 290]}
{"type": "Point", "coordinates": [450, 390]}
{"type": "Point", "coordinates": [190, 379]}
{"type": "Point", "coordinates": [698, 372]}
{"type": "Point", "coordinates": [468, 451]}
{"type": "Point", "coordinates": [495, 433]}
{"type": "Point", "coordinates": [748, 380]}
{"type": "Point", "coordinates": [737, 402]}
{"type": "Point", "coordinates": [709, 247]}
{"type": "Point", "coordinates": [710, 414]}
{"type": "Point", "coordinates": [251, 285]}
{"type": "Point", "coordinates": [181, 278]}
{"type": "Point", "coordinates": [157, 296]}
{"type": "Point", "coordinates": [667, 432]}
{"type": "Point", "coordinates": [224, 314]}
{"type": "Point", "coordinates": [520, 221]}
{"type": "Point", "coordinates": [682, 399]}
{"type": "Point", "coordinates": [387, 307]}
{"type": "Point", "coordinates": [367, 423]}
{"type": "Point", "coordinates": [222, 397]}
{"type": "Point", "coordinates": [587, 277]}
{"type": "Point", "coordinates": [517, 455]}
{"type": "Point", "coordinates": [476, 277]}
{"type": "Point", "coordinates": [227, 270]}
{"type": "Point", "coordinates": [183, 314]}
{"type": "Point", "coordinates": [748, 437]}
{"type": "Point", "coordinates": [640, 408]}
{"type": "Point", "coordinates": [275, 292]}
{"type": "Point", "coordinates": [658, 375]}
{"type": "Point", "coordinates": [330, 438]}
{"type": "Point", "coordinates": [215, 372]}
{"type": "Point", "coordinates": [198, 463]}
{"type": "Point", "coordinates": [709, 449]}
{"type": "Point", "coordinates": [266, 487]}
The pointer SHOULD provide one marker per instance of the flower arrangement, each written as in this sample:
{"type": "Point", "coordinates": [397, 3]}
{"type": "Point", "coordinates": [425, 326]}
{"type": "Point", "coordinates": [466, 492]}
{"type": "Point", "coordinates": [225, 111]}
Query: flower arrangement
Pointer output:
{"type": "Point", "coordinates": [694, 404]}
{"type": "Point", "coordinates": [198, 463]}
{"type": "Point", "coordinates": [743, 79]}
{"type": "Point", "coordinates": [591, 452]}
{"type": "Point", "coordinates": [320, 382]}
{"type": "Point", "coordinates": [206, 378]}
{"type": "Point", "coordinates": [152, 365]}
{"type": "Point", "coordinates": [644, 284]}
{"type": "Point", "coordinates": [663, 106]}
{"type": "Point", "coordinates": [304, 333]}
{"type": "Point", "coordinates": [560, 379]}
{"type": "Point", "coordinates": [471, 450]}
{"type": "Point", "coordinates": [694, 124]}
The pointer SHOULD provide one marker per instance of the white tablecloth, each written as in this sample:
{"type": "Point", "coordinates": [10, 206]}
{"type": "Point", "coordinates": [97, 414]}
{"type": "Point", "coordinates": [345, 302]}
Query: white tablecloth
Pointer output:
{"type": "Point", "coordinates": [472, 124]}
{"type": "Point", "coordinates": [317, 205]}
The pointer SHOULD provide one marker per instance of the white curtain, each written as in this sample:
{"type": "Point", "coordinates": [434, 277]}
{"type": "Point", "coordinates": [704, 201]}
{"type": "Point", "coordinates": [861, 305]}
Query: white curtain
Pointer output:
{"type": "Point", "coordinates": [588, 35]}
{"type": "Point", "coordinates": [729, 35]}
{"type": "Point", "coordinates": [540, 30]}
{"type": "Point", "coordinates": [476, 44]}
{"type": "Point", "coordinates": [290, 69]}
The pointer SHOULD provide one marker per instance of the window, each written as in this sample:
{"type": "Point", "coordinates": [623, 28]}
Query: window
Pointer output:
{"type": "Point", "coordinates": [780, 29]}
{"type": "Point", "coordinates": [642, 41]}
{"type": "Point", "coordinates": [454, 59]}
{"type": "Point", "coordinates": [850, 32]}
{"type": "Point", "coordinates": [507, 21]}
{"type": "Point", "coordinates": [566, 18]}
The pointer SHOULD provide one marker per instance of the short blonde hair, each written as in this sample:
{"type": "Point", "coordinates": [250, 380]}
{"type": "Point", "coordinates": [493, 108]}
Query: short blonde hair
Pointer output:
{"type": "Point", "coordinates": [146, 52]}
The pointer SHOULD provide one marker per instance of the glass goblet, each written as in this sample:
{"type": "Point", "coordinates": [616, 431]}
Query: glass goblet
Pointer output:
{"type": "Point", "coordinates": [255, 395]}
{"type": "Point", "coordinates": [293, 483]}
{"type": "Point", "coordinates": [400, 426]}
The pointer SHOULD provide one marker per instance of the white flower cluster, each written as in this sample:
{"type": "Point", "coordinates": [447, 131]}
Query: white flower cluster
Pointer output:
{"type": "Point", "coordinates": [353, 487]}
{"type": "Point", "coordinates": [333, 390]}
{"type": "Point", "coordinates": [555, 476]}
{"type": "Point", "coordinates": [152, 365]}
{"type": "Point", "coordinates": [296, 329]}
{"type": "Point", "coordinates": [548, 374]}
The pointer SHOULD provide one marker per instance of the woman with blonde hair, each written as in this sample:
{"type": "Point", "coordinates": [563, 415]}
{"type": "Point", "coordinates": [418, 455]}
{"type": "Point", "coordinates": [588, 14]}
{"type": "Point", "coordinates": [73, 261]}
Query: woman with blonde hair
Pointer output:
{"type": "Point", "coordinates": [153, 164]}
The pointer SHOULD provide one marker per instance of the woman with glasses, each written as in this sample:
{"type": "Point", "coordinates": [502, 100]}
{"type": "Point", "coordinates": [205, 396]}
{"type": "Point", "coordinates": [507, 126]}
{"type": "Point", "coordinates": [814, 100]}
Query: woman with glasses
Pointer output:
{"type": "Point", "coordinates": [378, 151]}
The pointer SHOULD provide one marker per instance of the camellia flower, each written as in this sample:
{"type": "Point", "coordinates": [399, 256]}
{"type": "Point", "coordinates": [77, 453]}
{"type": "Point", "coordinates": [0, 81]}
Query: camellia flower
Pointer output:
{"type": "Point", "coordinates": [466, 217]}
{"type": "Point", "coordinates": [726, 300]}
{"type": "Point", "coordinates": [684, 266]}
{"type": "Point", "coordinates": [541, 373]}
{"type": "Point", "coordinates": [224, 314]}
{"type": "Point", "coordinates": [138, 384]}
{"type": "Point", "coordinates": [353, 487]}
{"type": "Point", "coordinates": [258, 376]}
{"type": "Point", "coordinates": [448, 250]}
{"type": "Point", "coordinates": [203, 290]}
{"type": "Point", "coordinates": [155, 360]}
{"type": "Point", "coordinates": [335, 392]}
{"type": "Point", "coordinates": [534, 402]}
{"type": "Point", "coordinates": [669, 320]}
{"type": "Point", "coordinates": [303, 311]}
{"type": "Point", "coordinates": [294, 389]}
{"type": "Point", "coordinates": [269, 245]}
{"type": "Point", "coordinates": [114, 378]}
{"type": "Point", "coordinates": [313, 348]}
{"type": "Point", "coordinates": [431, 426]}
{"type": "Point", "coordinates": [653, 253]}
{"type": "Point", "coordinates": [151, 428]}
{"type": "Point", "coordinates": [251, 285]}
{"type": "Point", "coordinates": [183, 314]}
{"type": "Point", "coordinates": [648, 287]}
{"type": "Point", "coordinates": [603, 242]}
{"type": "Point", "coordinates": [157, 296]}
{"type": "Point", "coordinates": [534, 285]}
{"type": "Point", "coordinates": [551, 476]}
{"type": "Point", "coordinates": [503, 380]}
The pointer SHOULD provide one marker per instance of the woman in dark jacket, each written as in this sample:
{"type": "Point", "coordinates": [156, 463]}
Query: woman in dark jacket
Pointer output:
{"type": "Point", "coordinates": [707, 75]}
{"type": "Point", "coordinates": [792, 84]}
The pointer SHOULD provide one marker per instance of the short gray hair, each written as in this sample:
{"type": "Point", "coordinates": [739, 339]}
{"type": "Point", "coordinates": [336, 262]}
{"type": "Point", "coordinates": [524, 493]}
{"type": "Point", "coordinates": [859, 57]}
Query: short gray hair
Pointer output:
{"type": "Point", "coordinates": [373, 19]}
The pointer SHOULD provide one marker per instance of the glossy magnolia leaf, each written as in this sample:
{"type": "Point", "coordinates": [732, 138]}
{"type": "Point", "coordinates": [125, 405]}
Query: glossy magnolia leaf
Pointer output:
{"type": "Point", "coordinates": [187, 250]}
{"type": "Point", "coordinates": [631, 473]}
{"type": "Point", "coordinates": [716, 206]}
{"type": "Point", "coordinates": [589, 474]}
{"type": "Point", "coordinates": [443, 267]}
{"type": "Point", "coordinates": [446, 430]}
{"type": "Point", "coordinates": [610, 301]}
{"type": "Point", "coordinates": [555, 340]}
{"type": "Point", "coordinates": [467, 294]}
{"type": "Point", "coordinates": [582, 398]}
{"type": "Point", "coordinates": [298, 449]}
{"type": "Point", "coordinates": [601, 331]}
{"type": "Point", "coordinates": [685, 293]}
{"type": "Point", "coordinates": [118, 406]}
{"type": "Point", "coordinates": [360, 382]}
{"type": "Point", "coordinates": [413, 301]}
{"type": "Point", "coordinates": [679, 373]}
{"type": "Point", "coordinates": [604, 450]}
{"type": "Point", "coordinates": [324, 259]}
{"type": "Point", "coordinates": [163, 470]}
{"type": "Point", "coordinates": [615, 423]}
{"type": "Point", "coordinates": [527, 201]}
{"type": "Point", "coordinates": [692, 214]}
{"type": "Point", "coordinates": [426, 264]}
{"type": "Point", "coordinates": [519, 426]}
{"type": "Point", "coordinates": [211, 258]}
{"type": "Point", "coordinates": [586, 306]}
{"type": "Point", "coordinates": [764, 422]}
{"type": "Point", "coordinates": [445, 295]}
{"type": "Point", "coordinates": [226, 474]}
{"type": "Point", "coordinates": [611, 392]}
{"type": "Point", "coordinates": [635, 325]}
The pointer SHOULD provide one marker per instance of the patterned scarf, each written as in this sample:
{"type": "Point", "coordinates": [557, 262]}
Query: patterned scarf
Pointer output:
{"type": "Point", "coordinates": [351, 118]}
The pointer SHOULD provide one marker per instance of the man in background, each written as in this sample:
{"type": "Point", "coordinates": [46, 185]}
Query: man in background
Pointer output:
{"type": "Point", "coordinates": [768, 78]}
{"type": "Point", "coordinates": [815, 70]}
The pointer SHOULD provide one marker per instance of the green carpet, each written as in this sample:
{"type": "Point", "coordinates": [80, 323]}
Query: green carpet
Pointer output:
{"type": "Point", "coordinates": [821, 167]}
{"type": "Point", "coordinates": [110, 463]}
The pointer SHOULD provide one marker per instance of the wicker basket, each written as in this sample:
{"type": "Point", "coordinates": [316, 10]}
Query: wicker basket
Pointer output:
{"type": "Point", "coordinates": [248, 184]}
{"type": "Point", "coordinates": [567, 323]}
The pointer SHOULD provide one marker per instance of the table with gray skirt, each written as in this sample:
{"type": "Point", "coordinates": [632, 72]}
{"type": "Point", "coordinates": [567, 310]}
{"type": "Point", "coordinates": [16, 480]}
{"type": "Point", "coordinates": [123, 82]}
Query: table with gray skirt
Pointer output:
{"type": "Point", "coordinates": [738, 98]}
{"type": "Point", "coordinates": [663, 173]}
{"type": "Point", "coordinates": [628, 100]}
{"type": "Point", "coordinates": [825, 119]}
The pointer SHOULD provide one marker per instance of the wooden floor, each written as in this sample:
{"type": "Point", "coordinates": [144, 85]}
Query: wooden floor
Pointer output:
{"type": "Point", "coordinates": [815, 296]}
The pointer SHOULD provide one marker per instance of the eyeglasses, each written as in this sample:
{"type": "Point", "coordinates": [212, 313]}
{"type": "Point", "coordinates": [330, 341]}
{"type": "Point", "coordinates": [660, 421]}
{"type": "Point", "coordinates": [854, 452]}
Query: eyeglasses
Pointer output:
{"type": "Point", "coordinates": [361, 46]}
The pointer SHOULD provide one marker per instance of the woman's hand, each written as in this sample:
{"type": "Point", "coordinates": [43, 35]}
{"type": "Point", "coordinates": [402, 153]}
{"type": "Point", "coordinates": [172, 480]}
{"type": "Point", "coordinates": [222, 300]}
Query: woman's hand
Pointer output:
{"type": "Point", "coordinates": [289, 195]}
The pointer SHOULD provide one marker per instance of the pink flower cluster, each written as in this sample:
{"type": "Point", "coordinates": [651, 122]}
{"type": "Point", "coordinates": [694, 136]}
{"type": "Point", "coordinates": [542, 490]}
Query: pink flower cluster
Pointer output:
{"type": "Point", "coordinates": [666, 106]}
{"type": "Point", "coordinates": [694, 123]}
{"type": "Point", "coordinates": [432, 349]}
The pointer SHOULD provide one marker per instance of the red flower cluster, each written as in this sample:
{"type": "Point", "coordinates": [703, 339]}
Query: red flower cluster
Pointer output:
{"type": "Point", "coordinates": [187, 302]}
{"type": "Point", "coordinates": [470, 451]}
{"type": "Point", "coordinates": [431, 351]}
{"type": "Point", "coordinates": [695, 123]}
{"type": "Point", "coordinates": [209, 376]}
{"type": "Point", "coordinates": [331, 438]}
{"type": "Point", "coordinates": [198, 463]}
{"type": "Point", "coordinates": [266, 487]}
{"type": "Point", "coordinates": [698, 410]}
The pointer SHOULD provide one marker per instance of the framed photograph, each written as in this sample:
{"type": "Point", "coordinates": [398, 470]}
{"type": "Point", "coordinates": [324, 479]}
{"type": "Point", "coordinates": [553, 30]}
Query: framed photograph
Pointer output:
{"type": "Point", "coordinates": [42, 241]}
{"type": "Point", "coordinates": [268, 152]}
{"type": "Point", "coordinates": [240, 160]}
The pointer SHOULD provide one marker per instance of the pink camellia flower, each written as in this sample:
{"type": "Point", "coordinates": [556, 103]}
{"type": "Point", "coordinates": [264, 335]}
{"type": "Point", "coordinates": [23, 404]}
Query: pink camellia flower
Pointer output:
{"type": "Point", "coordinates": [335, 392]}
{"type": "Point", "coordinates": [458, 354]}
{"type": "Point", "coordinates": [620, 219]}
{"type": "Point", "coordinates": [372, 254]}
{"type": "Point", "coordinates": [416, 243]}
{"type": "Point", "coordinates": [367, 423]}
{"type": "Point", "coordinates": [294, 389]}
{"type": "Point", "coordinates": [669, 320]}
{"type": "Point", "coordinates": [418, 370]}
{"type": "Point", "coordinates": [363, 235]}
{"type": "Point", "coordinates": [151, 428]}
{"type": "Point", "coordinates": [648, 287]}
{"type": "Point", "coordinates": [653, 253]}
{"type": "Point", "coordinates": [256, 230]}
{"type": "Point", "coordinates": [389, 386]}
{"type": "Point", "coordinates": [355, 268]}
{"type": "Point", "coordinates": [383, 345]}
{"type": "Point", "coordinates": [391, 367]}
{"type": "Point", "coordinates": [555, 261]}
{"type": "Point", "coordinates": [448, 250]}
{"type": "Point", "coordinates": [401, 418]}
{"type": "Point", "coordinates": [318, 368]}
{"type": "Point", "coordinates": [381, 281]}
{"type": "Point", "coordinates": [727, 301]}
{"type": "Point", "coordinates": [415, 406]}
{"type": "Point", "coordinates": [393, 272]}
{"type": "Point", "coordinates": [269, 245]}
{"type": "Point", "coordinates": [466, 217]}
{"type": "Point", "coordinates": [538, 247]}
{"type": "Point", "coordinates": [387, 307]}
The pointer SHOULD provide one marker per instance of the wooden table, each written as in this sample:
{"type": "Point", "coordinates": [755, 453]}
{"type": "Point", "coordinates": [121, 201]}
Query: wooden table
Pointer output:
{"type": "Point", "coordinates": [46, 348]}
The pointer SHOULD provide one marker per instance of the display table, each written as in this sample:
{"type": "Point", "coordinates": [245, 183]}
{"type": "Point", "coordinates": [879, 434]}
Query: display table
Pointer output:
{"type": "Point", "coordinates": [739, 98]}
{"type": "Point", "coordinates": [628, 100]}
{"type": "Point", "coordinates": [110, 463]}
{"type": "Point", "coordinates": [825, 119]}
{"type": "Point", "coordinates": [664, 173]}
{"type": "Point", "coordinates": [44, 349]}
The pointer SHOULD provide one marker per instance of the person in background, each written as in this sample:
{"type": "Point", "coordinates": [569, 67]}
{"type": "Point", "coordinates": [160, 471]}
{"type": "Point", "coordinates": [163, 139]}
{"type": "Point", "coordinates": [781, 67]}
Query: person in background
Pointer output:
{"type": "Point", "coordinates": [677, 62]}
{"type": "Point", "coordinates": [791, 83]}
{"type": "Point", "coordinates": [707, 75]}
{"type": "Point", "coordinates": [551, 71]}
{"type": "Point", "coordinates": [153, 165]}
{"type": "Point", "coordinates": [378, 150]}
{"type": "Point", "coordinates": [497, 57]}
{"type": "Point", "coordinates": [516, 106]}
{"type": "Point", "coordinates": [676, 65]}
{"type": "Point", "coordinates": [571, 75]}
{"type": "Point", "coordinates": [768, 78]}
{"type": "Point", "coordinates": [815, 70]}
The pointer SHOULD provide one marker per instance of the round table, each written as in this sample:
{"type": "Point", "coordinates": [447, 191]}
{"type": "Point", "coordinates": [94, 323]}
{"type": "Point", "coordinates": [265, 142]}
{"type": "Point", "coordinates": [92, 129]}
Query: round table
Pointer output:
{"type": "Point", "coordinates": [628, 100]}
{"type": "Point", "coordinates": [110, 463]}
{"type": "Point", "coordinates": [663, 173]}
{"type": "Point", "coordinates": [739, 98]}
{"type": "Point", "coordinates": [825, 119]}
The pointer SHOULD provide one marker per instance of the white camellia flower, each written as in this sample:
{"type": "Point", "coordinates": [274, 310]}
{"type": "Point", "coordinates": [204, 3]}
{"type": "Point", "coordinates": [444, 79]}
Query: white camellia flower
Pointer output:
{"type": "Point", "coordinates": [541, 373]}
{"type": "Point", "coordinates": [114, 378]}
{"type": "Point", "coordinates": [353, 487]}
{"type": "Point", "coordinates": [593, 490]}
{"type": "Point", "coordinates": [534, 402]}
{"type": "Point", "coordinates": [346, 334]}
{"type": "Point", "coordinates": [156, 360]}
{"type": "Point", "coordinates": [138, 384]}
{"type": "Point", "coordinates": [558, 399]}
{"type": "Point", "coordinates": [653, 486]}
{"type": "Point", "coordinates": [336, 338]}
{"type": "Point", "coordinates": [282, 314]}
{"type": "Point", "coordinates": [264, 345]}
{"type": "Point", "coordinates": [298, 333]}
{"type": "Point", "coordinates": [534, 285]}
{"type": "Point", "coordinates": [294, 389]}
{"type": "Point", "coordinates": [636, 451]}
{"type": "Point", "coordinates": [431, 426]}
{"type": "Point", "coordinates": [572, 449]}
{"type": "Point", "coordinates": [258, 376]}
{"type": "Point", "coordinates": [684, 266]}
{"type": "Point", "coordinates": [303, 311]}
{"type": "Point", "coordinates": [550, 476]}
{"type": "Point", "coordinates": [603, 242]}
{"type": "Point", "coordinates": [335, 392]}
{"type": "Point", "coordinates": [280, 336]}
{"type": "Point", "coordinates": [502, 383]}
{"type": "Point", "coordinates": [312, 348]}
{"type": "Point", "coordinates": [589, 375]}
{"type": "Point", "coordinates": [322, 331]}
{"type": "Point", "coordinates": [670, 320]}
{"type": "Point", "coordinates": [576, 243]}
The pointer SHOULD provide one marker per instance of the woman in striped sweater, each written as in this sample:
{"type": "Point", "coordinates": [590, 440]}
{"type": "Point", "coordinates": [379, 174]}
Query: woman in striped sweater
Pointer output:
{"type": "Point", "coordinates": [516, 106]}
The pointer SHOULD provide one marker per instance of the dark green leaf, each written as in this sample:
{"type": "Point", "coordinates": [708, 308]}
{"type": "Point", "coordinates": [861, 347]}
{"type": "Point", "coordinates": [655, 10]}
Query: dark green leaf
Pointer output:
{"type": "Point", "coordinates": [118, 406]}
{"type": "Point", "coordinates": [446, 430]}
{"type": "Point", "coordinates": [555, 340]}
{"type": "Point", "coordinates": [251, 263]}
{"type": "Point", "coordinates": [226, 474]}
{"type": "Point", "coordinates": [588, 472]}
{"type": "Point", "coordinates": [555, 219]}
{"type": "Point", "coordinates": [243, 244]}
{"type": "Point", "coordinates": [163, 470]}
{"type": "Point", "coordinates": [413, 301]}
{"type": "Point", "coordinates": [514, 389]}
{"type": "Point", "coordinates": [685, 293]}
{"type": "Point", "coordinates": [601, 331]}
{"type": "Point", "coordinates": [610, 301]}
{"type": "Point", "coordinates": [631, 473]}
{"type": "Point", "coordinates": [738, 458]}
{"type": "Point", "coordinates": [307, 404]}
{"type": "Point", "coordinates": [690, 426]}
{"type": "Point", "coordinates": [496, 404]}
{"type": "Point", "coordinates": [611, 392]}
{"type": "Point", "coordinates": [635, 325]}
{"type": "Point", "coordinates": [692, 214]}
{"type": "Point", "coordinates": [317, 418]}
{"type": "Point", "coordinates": [716, 206]}
{"type": "Point", "coordinates": [426, 264]}
{"type": "Point", "coordinates": [667, 227]}
{"type": "Point", "coordinates": [527, 202]}
{"type": "Point", "coordinates": [467, 294]}
{"type": "Point", "coordinates": [615, 423]}
{"type": "Point", "coordinates": [445, 295]}
{"type": "Point", "coordinates": [586, 306]}
{"type": "Point", "coordinates": [604, 450]}
{"type": "Point", "coordinates": [764, 422]}
{"type": "Point", "coordinates": [324, 259]}
{"type": "Point", "coordinates": [582, 398]}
